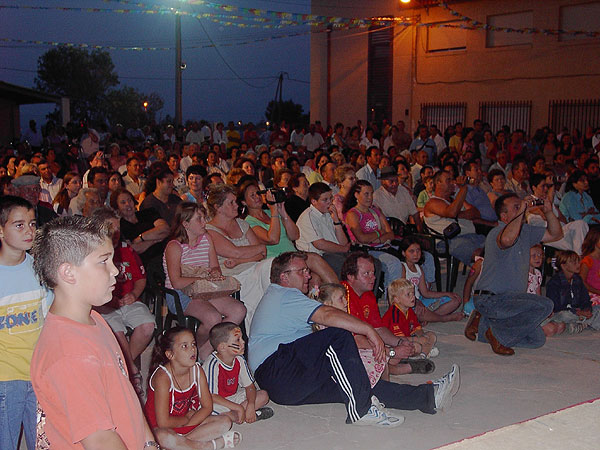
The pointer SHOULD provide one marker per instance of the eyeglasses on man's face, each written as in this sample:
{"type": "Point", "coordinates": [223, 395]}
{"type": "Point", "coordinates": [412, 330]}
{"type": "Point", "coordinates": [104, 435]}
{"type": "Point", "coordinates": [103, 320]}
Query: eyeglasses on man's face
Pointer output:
{"type": "Point", "coordinates": [304, 270]}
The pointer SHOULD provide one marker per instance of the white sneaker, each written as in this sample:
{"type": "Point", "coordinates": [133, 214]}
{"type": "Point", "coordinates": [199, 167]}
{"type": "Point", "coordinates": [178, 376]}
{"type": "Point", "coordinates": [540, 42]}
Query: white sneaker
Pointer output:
{"type": "Point", "coordinates": [447, 387]}
{"type": "Point", "coordinates": [380, 406]}
{"type": "Point", "coordinates": [433, 352]}
{"type": "Point", "coordinates": [378, 418]}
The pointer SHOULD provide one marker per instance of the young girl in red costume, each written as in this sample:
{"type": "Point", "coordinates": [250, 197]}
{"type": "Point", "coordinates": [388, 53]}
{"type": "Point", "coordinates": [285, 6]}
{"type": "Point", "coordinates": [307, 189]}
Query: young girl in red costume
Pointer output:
{"type": "Point", "coordinates": [179, 404]}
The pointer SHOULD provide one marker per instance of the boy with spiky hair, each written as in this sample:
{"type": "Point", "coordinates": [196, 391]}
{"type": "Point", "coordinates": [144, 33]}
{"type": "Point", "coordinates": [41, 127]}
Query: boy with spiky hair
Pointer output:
{"type": "Point", "coordinates": [78, 370]}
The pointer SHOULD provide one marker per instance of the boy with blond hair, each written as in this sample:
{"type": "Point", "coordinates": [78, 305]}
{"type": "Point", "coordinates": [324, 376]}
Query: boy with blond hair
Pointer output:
{"type": "Point", "coordinates": [78, 371]}
{"type": "Point", "coordinates": [229, 378]}
{"type": "Point", "coordinates": [401, 319]}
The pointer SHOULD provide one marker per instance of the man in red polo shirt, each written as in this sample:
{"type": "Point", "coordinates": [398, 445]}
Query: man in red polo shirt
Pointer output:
{"type": "Point", "coordinates": [358, 277]}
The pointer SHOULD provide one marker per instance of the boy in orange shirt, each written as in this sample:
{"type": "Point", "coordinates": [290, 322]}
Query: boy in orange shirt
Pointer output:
{"type": "Point", "coordinates": [78, 370]}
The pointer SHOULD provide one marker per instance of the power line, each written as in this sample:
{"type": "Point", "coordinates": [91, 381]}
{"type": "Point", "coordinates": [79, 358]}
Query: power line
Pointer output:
{"type": "Point", "coordinates": [227, 64]}
{"type": "Point", "coordinates": [272, 77]}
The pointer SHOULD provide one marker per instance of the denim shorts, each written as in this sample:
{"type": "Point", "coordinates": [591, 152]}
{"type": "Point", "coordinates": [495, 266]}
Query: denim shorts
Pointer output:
{"type": "Point", "coordinates": [434, 303]}
{"type": "Point", "coordinates": [184, 299]}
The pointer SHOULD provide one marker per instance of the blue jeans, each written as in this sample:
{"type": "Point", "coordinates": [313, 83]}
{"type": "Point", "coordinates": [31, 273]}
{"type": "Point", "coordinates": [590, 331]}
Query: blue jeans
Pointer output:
{"type": "Point", "coordinates": [390, 265]}
{"type": "Point", "coordinates": [515, 318]}
{"type": "Point", "coordinates": [17, 406]}
{"type": "Point", "coordinates": [428, 267]}
{"type": "Point", "coordinates": [463, 246]}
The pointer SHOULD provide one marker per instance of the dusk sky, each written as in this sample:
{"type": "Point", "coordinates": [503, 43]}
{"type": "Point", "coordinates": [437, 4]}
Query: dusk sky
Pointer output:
{"type": "Point", "coordinates": [210, 89]}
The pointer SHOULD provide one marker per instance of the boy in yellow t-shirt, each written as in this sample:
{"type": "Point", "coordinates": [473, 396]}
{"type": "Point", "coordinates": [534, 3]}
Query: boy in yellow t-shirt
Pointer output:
{"type": "Point", "coordinates": [23, 304]}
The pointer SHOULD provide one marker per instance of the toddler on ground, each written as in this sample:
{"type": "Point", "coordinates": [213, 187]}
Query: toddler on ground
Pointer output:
{"type": "Point", "coordinates": [572, 303]}
{"type": "Point", "coordinates": [229, 379]}
{"type": "Point", "coordinates": [333, 294]}
{"type": "Point", "coordinates": [401, 320]}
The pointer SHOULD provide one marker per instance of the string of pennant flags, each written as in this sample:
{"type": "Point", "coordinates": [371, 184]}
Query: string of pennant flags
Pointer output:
{"type": "Point", "coordinates": [548, 32]}
{"type": "Point", "coordinates": [268, 19]}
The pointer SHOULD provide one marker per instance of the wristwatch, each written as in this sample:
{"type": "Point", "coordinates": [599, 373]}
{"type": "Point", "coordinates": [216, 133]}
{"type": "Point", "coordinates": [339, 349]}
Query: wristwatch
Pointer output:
{"type": "Point", "coordinates": [152, 444]}
{"type": "Point", "coordinates": [392, 353]}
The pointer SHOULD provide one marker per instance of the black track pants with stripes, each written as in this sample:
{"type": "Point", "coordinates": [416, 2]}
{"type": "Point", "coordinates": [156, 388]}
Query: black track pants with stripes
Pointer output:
{"type": "Point", "coordinates": [325, 367]}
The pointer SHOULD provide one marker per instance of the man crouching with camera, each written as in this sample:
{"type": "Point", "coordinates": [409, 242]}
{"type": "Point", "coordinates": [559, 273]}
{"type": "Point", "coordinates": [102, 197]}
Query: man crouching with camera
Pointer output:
{"type": "Point", "coordinates": [505, 315]}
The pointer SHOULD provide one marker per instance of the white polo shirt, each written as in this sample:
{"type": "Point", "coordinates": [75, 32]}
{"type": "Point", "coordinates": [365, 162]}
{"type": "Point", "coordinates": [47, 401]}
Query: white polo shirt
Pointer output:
{"type": "Point", "coordinates": [314, 225]}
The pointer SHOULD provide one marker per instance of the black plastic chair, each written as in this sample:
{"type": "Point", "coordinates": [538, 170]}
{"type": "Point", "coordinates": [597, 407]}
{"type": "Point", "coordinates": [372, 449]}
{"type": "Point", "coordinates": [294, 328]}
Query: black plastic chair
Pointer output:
{"type": "Point", "coordinates": [439, 246]}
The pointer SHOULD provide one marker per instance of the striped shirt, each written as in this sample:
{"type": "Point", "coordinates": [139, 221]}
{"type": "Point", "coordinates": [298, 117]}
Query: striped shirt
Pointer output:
{"type": "Point", "coordinates": [191, 256]}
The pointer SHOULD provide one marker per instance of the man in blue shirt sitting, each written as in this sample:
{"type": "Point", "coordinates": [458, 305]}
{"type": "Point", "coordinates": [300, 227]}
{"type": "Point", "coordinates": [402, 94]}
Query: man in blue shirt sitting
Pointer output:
{"type": "Point", "coordinates": [296, 366]}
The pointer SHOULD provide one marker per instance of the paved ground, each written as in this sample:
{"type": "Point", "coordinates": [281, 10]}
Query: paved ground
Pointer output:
{"type": "Point", "coordinates": [496, 392]}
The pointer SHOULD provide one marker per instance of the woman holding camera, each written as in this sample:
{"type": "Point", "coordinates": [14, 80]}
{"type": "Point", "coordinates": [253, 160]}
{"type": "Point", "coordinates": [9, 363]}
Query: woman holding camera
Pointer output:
{"type": "Point", "coordinates": [274, 228]}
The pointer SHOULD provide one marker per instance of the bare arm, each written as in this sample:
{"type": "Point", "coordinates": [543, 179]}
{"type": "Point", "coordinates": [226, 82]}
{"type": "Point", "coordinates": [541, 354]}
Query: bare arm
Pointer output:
{"type": "Point", "coordinates": [554, 230]}
{"type": "Point", "coordinates": [509, 235]}
{"type": "Point", "coordinates": [583, 272]}
{"type": "Point", "coordinates": [352, 221]}
{"type": "Point", "coordinates": [173, 258]}
{"type": "Point", "coordinates": [162, 384]}
{"type": "Point", "coordinates": [439, 208]}
{"type": "Point", "coordinates": [331, 247]}
{"type": "Point", "coordinates": [333, 317]}
{"type": "Point", "coordinates": [291, 228]}
{"type": "Point", "coordinates": [470, 281]}
{"type": "Point", "coordinates": [102, 440]}
{"type": "Point", "coordinates": [226, 249]}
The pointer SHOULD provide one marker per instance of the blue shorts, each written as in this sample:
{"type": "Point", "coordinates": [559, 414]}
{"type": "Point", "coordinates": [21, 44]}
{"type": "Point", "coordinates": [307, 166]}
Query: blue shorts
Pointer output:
{"type": "Point", "coordinates": [184, 299]}
{"type": "Point", "coordinates": [434, 303]}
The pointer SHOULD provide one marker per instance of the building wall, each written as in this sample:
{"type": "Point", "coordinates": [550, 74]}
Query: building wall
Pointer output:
{"type": "Point", "coordinates": [542, 69]}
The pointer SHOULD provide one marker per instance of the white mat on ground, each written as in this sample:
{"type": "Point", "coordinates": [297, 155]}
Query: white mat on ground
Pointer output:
{"type": "Point", "coordinates": [573, 427]}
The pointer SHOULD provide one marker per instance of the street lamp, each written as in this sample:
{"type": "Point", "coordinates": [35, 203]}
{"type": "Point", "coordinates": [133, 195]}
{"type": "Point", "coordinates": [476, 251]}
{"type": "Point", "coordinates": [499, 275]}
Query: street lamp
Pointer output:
{"type": "Point", "coordinates": [145, 106]}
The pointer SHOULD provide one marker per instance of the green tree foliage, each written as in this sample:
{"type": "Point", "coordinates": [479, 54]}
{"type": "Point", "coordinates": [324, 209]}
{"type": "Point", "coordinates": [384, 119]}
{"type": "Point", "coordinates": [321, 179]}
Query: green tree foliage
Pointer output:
{"type": "Point", "coordinates": [288, 110]}
{"type": "Point", "coordinates": [83, 76]}
{"type": "Point", "coordinates": [126, 104]}
{"type": "Point", "coordinates": [89, 80]}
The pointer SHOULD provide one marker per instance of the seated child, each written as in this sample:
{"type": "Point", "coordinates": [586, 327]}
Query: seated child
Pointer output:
{"type": "Point", "coordinates": [438, 306]}
{"type": "Point", "coordinates": [333, 294]}
{"type": "Point", "coordinates": [78, 370]}
{"type": "Point", "coordinates": [401, 320]}
{"type": "Point", "coordinates": [229, 379]}
{"type": "Point", "coordinates": [590, 264]}
{"type": "Point", "coordinates": [179, 405]}
{"type": "Point", "coordinates": [534, 286]}
{"type": "Point", "coordinates": [571, 299]}
{"type": "Point", "coordinates": [21, 297]}
{"type": "Point", "coordinates": [126, 309]}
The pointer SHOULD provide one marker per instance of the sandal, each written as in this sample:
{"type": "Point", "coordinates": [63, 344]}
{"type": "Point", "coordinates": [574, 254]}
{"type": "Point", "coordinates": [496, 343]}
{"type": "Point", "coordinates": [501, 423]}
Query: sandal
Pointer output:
{"type": "Point", "coordinates": [229, 439]}
{"type": "Point", "coordinates": [264, 413]}
{"type": "Point", "coordinates": [138, 383]}
{"type": "Point", "coordinates": [420, 365]}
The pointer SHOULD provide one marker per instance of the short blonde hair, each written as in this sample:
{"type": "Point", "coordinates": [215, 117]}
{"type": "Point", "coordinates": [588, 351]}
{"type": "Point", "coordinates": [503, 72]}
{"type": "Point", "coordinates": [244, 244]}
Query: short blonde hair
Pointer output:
{"type": "Point", "coordinates": [398, 286]}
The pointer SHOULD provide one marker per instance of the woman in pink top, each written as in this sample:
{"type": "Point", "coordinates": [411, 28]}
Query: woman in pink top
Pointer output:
{"type": "Point", "coordinates": [190, 244]}
{"type": "Point", "coordinates": [368, 226]}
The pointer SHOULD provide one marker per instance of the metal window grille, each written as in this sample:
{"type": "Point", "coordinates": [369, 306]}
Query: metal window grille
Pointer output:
{"type": "Point", "coordinates": [443, 114]}
{"type": "Point", "coordinates": [516, 114]}
{"type": "Point", "coordinates": [380, 74]}
{"type": "Point", "coordinates": [573, 114]}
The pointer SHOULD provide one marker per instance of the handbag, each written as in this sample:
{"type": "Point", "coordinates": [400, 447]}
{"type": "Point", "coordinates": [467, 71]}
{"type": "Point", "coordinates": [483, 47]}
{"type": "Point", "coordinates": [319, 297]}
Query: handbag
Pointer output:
{"type": "Point", "coordinates": [204, 287]}
{"type": "Point", "coordinates": [452, 230]}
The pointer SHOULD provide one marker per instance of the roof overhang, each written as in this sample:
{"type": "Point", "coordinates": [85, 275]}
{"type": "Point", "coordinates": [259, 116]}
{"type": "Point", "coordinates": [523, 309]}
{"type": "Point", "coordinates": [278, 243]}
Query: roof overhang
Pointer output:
{"type": "Point", "coordinates": [25, 96]}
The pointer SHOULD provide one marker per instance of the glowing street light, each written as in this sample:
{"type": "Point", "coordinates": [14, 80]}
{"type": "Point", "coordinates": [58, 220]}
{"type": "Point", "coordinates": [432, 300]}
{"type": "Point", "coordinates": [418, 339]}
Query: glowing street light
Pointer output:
{"type": "Point", "coordinates": [145, 106]}
{"type": "Point", "coordinates": [405, 1]}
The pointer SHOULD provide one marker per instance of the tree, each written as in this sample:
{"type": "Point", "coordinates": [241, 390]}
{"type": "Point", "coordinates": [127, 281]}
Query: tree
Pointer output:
{"type": "Point", "coordinates": [84, 77]}
{"type": "Point", "coordinates": [288, 110]}
{"type": "Point", "coordinates": [126, 104]}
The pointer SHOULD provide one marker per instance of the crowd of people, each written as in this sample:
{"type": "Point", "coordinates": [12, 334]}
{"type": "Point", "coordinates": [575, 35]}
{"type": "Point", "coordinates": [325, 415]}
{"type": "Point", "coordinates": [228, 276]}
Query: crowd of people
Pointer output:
{"type": "Point", "coordinates": [316, 228]}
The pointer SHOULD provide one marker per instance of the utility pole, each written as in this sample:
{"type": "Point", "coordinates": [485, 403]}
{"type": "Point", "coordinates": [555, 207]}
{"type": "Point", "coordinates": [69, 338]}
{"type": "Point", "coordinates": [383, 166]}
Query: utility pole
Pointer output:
{"type": "Point", "coordinates": [279, 98]}
{"type": "Point", "coordinates": [178, 69]}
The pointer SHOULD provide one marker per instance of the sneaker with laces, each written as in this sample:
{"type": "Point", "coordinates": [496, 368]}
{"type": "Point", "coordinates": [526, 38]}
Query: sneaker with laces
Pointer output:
{"type": "Point", "coordinates": [378, 418]}
{"type": "Point", "coordinates": [380, 406]}
{"type": "Point", "coordinates": [447, 387]}
{"type": "Point", "coordinates": [575, 327]}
